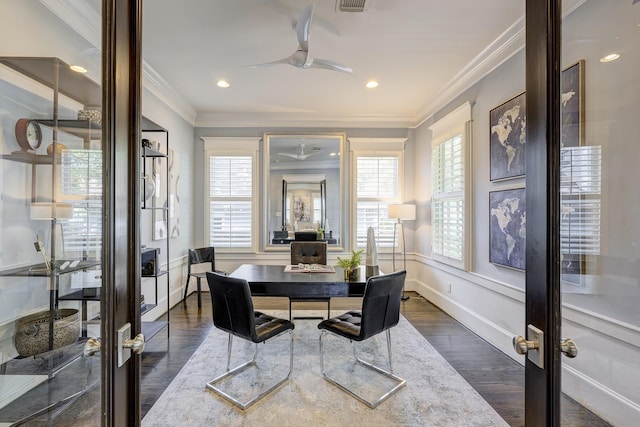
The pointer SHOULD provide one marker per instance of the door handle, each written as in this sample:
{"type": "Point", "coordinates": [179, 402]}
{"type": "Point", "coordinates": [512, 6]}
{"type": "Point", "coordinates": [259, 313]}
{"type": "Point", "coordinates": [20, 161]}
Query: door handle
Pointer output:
{"type": "Point", "coordinates": [533, 346]}
{"type": "Point", "coordinates": [522, 346]}
{"type": "Point", "coordinates": [568, 347]}
{"type": "Point", "coordinates": [92, 346]}
{"type": "Point", "coordinates": [136, 344]}
{"type": "Point", "coordinates": [125, 342]}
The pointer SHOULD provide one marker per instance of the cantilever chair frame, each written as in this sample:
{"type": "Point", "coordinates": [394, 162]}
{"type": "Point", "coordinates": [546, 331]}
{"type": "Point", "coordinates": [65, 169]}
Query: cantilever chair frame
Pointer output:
{"type": "Point", "coordinates": [389, 374]}
{"type": "Point", "coordinates": [400, 383]}
{"type": "Point", "coordinates": [231, 372]}
{"type": "Point", "coordinates": [212, 385]}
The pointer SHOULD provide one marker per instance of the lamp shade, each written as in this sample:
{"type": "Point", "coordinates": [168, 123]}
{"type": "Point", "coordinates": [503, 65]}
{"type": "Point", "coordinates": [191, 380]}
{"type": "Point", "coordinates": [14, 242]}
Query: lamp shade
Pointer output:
{"type": "Point", "coordinates": [47, 210]}
{"type": "Point", "coordinates": [403, 211]}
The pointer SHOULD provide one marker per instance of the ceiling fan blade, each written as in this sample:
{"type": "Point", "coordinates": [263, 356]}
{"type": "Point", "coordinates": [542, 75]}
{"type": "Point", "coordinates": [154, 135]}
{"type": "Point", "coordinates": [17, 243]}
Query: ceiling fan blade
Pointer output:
{"type": "Point", "coordinates": [292, 155]}
{"type": "Point", "coordinates": [306, 156]}
{"type": "Point", "coordinates": [303, 26]}
{"type": "Point", "coordinates": [331, 65]}
{"type": "Point", "coordinates": [287, 60]}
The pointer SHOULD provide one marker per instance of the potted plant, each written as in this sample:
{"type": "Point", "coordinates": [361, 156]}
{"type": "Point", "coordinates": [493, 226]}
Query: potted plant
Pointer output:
{"type": "Point", "coordinates": [351, 266]}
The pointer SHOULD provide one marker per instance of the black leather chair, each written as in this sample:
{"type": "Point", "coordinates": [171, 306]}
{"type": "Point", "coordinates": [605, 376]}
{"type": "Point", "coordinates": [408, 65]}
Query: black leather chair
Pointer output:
{"type": "Point", "coordinates": [233, 313]}
{"type": "Point", "coordinates": [380, 312]}
{"type": "Point", "coordinates": [306, 252]}
{"type": "Point", "coordinates": [199, 256]}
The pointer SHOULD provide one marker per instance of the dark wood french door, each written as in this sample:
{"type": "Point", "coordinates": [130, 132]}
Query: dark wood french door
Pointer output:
{"type": "Point", "coordinates": [121, 77]}
{"type": "Point", "coordinates": [543, 365]}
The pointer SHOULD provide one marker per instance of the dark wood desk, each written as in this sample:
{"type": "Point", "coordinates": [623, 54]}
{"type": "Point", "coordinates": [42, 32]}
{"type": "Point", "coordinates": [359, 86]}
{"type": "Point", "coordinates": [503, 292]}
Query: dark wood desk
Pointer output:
{"type": "Point", "coordinates": [272, 281]}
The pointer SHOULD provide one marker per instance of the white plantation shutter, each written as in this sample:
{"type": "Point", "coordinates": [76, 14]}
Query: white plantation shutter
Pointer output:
{"type": "Point", "coordinates": [231, 201]}
{"type": "Point", "coordinates": [81, 184]}
{"type": "Point", "coordinates": [448, 198]}
{"type": "Point", "coordinates": [449, 210]}
{"type": "Point", "coordinates": [377, 186]}
{"type": "Point", "coordinates": [580, 186]}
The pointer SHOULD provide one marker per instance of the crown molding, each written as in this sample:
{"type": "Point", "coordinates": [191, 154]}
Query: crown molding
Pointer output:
{"type": "Point", "coordinates": [502, 48]}
{"type": "Point", "coordinates": [157, 85]}
{"type": "Point", "coordinates": [78, 15]}
{"type": "Point", "coordinates": [301, 120]}
{"type": "Point", "coordinates": [87, 22]}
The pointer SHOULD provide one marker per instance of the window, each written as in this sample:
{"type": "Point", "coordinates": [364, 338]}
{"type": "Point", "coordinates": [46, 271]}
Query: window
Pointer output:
{"type": "Point", "coordinates": [580, 182]}
{"type": "Point", "coordinates": [377, 186]}
{"type": "Point", "coordinates": [81, 182]}
{"type": "Point", "coordinates": [449, 210]}
{"type": "Point", "coordinates": [230, 211]}
{"type": "Point", "coordinates": [230, 201]}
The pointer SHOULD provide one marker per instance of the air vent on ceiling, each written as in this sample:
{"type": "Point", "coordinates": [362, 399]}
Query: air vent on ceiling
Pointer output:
{"type": "Point", "coordinates": [351, 5]}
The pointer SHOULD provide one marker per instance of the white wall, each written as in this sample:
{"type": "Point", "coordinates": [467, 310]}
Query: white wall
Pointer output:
{"type": "Point", "coordinates": [181, 136]}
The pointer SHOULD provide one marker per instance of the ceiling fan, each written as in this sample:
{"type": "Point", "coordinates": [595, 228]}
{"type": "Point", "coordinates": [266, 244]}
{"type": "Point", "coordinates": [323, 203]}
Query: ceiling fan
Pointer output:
{"type": "Point", "coordinates": [302, 155]}
{"type": "Point", "coordinates": [302, 58]}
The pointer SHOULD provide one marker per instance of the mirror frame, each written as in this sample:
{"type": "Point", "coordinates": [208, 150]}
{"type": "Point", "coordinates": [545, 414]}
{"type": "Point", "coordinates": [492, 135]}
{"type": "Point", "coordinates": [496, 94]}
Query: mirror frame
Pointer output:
{"type": "Point", "coordinates": [343, 183]}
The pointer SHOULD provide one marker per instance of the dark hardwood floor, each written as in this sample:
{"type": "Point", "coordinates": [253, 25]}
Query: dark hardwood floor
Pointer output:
{"type": "Point", "coordinates": [498, 378]}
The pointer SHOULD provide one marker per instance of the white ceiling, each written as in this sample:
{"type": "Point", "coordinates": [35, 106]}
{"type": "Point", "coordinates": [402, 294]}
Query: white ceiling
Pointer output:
{"type": "Point", "coordinates": [416, 49]}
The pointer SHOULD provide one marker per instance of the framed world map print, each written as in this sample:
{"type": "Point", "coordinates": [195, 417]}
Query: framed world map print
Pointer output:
{"type": "Point", "coordinates": [508, 137]}
{"type": "Point", "coordinates": [507, 227]}
{"type": "Point", "coordinates": [572, 103]}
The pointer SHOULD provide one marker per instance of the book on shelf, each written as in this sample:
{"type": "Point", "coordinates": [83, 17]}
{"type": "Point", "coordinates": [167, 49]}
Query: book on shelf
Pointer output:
{"type": "Point", "coordinates": [309, 268]}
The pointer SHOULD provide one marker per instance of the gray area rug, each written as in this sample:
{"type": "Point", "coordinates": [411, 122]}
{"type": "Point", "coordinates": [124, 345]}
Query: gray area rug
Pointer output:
{"type": "Point", "coordinates": [435, 394]}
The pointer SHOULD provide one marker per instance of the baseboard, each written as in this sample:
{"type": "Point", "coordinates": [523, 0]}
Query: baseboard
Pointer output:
{"type": "Point", "coordinates": [611, 406]}
{"type": "Point", "coordinates": [617, 409]}
{"type": "Point", "coordinates": [489, 331]}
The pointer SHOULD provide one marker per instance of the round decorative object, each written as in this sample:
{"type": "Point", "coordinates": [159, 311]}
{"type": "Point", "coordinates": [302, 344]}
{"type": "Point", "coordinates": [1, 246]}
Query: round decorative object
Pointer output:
{"type": "Point", "coordinates": [59, 147]}
{"type": "Point", "coordinates": [28, 134]}
{"type": "Point", "coordinates": [32, 331]}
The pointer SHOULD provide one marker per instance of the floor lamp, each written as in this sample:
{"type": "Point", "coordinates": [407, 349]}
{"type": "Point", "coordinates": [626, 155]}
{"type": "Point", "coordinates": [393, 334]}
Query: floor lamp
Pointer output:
{"type": "Point", "coordinates": [401, 212]}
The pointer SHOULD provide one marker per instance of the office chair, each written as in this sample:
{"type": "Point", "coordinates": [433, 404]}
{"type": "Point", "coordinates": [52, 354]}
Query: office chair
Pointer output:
{"type": "Point", "coordinates": [308, 252]}
{"type": "Point", "coordinates": [306, 236]}
{"type": "Point", "coordinates": [233, 313]}
{"type": "Point", "coordinates": [199, 256]}
{"type": "Point", "coordinates": [380, 312]}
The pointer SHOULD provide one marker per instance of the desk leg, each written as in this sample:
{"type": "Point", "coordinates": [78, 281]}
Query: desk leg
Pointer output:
{"type": "Point", "coordinates": [199, 294]}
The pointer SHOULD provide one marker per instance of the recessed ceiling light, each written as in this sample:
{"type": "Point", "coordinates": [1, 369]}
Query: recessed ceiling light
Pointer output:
{"type": "Point", "coordinates": [371, 84]}
{"type": "Point", "coordinates": [223, 83]}
{"type": "Point", "coordinates": [333, 154]}
{"type": "Point", "coordinates": [610, 57]}
{"type": "Point", "coordinates": [78, 69]}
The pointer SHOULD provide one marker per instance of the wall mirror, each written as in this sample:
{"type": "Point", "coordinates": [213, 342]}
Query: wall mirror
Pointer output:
{"type": "Point", "coordinates": [305, 189]}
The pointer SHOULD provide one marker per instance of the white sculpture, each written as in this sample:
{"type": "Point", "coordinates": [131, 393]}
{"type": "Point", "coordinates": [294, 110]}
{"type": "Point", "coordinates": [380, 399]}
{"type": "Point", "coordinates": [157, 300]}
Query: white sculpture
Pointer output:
{"type": "Point", "coordinates": [372, 254]}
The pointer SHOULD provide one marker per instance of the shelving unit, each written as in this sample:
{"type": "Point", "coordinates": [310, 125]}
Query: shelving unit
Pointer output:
{"type": "Point", "coordinates": [51, 378]}
{"type": "Point", "coordinates": [155, 162]}
{"type": "Point", "coordinates": [48, 369]}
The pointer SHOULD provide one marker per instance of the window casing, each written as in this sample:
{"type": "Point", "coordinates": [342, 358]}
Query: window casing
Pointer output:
{"type": "Point", "coordinates": [377, 185]}
{"type": "Point", "coordinates": [450, 207]}
{"type": "Point", "coordinates": [230, 211]}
